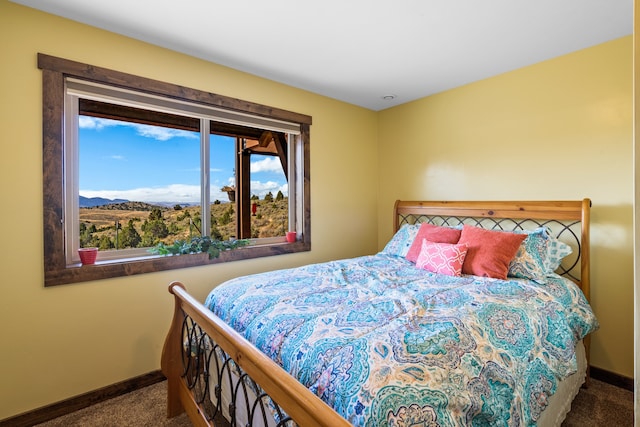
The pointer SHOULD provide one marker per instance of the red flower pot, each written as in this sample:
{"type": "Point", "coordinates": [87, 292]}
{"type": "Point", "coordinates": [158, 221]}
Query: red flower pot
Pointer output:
{"type": "Point", "coordinates": [88, 255]}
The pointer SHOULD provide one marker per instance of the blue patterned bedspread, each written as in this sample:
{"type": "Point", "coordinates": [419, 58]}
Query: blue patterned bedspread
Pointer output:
{"type": "Point", "coordinates": [386, 343]}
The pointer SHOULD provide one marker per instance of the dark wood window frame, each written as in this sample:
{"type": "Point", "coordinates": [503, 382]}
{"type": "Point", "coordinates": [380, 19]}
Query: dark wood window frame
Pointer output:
{"type": "Point", "coordinates": [56, 270]}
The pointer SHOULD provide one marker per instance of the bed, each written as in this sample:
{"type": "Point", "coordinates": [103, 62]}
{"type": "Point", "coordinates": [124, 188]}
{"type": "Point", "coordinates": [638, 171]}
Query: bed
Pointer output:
{"type": "Point", "coordinates": [408, 336]}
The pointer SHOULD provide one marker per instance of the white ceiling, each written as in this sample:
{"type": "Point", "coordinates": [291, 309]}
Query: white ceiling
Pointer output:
{"type": "Point", "coordinates": [358, 51]}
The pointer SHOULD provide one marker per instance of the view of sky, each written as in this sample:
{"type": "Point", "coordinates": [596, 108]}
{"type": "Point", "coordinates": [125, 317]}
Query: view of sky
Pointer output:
{"type": "Point", "coordinates": [121, 160]}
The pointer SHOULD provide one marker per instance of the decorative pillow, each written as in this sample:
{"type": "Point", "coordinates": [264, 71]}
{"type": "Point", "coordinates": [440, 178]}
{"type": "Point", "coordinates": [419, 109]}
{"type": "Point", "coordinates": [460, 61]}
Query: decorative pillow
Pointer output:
{"type": "Point", "coordinates": [539, 255]}
{"type": "Point", "coordinates": [443, 258]}
{"type": "Point", "coordinates": [556, 251]}
{"type": "Point", "coordinates": [402, 240]}
{"type": "Point", "coordinates": [530, 259]}
{"type": "Point", "coordinates": [433, 233]}
{"type": "Point", "coordinates": [490, 251]}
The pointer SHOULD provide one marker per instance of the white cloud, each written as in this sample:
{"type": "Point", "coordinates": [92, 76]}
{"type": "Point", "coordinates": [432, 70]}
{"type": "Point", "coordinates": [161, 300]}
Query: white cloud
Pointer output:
{"type": "Point", "coordinates": [175, 193]}
{"type": "Point", "coordinates": [268, 164]}
{"type": "Point", "coordinates": [260, 188]}
{"type": "Point", "coordinates": [156, 132]}
{"type": "Point", "coordinates": [162, 133]}
{"type": "Point", "coordinates": [86, 122]}
{"type": "Point", "coordinates": [182, 193]}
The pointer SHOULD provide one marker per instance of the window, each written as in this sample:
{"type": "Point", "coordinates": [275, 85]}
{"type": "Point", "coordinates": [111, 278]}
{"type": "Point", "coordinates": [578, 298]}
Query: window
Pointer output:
{"type": "Point", "coordinates": [130, 162]}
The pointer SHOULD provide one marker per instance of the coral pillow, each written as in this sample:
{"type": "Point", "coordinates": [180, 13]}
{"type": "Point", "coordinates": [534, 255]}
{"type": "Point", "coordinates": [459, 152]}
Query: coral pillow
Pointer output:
{"type": "Point", "coordinates": [433, 233]}
{"type": "Point", "coordinates": [443, 258]}
{"type": "Point", "coordinates": [490, 252]}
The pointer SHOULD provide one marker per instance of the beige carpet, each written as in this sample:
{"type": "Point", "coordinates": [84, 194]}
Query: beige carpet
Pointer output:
{"type": "Point", "coordinates": [141, 408]}
{"type": "Point", "coordinates": [601, 405]}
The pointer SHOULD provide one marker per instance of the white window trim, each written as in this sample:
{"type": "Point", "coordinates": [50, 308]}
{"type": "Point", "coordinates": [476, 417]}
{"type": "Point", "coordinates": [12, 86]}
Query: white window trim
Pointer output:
{"type": "Point", "coordinates": [78, 89]}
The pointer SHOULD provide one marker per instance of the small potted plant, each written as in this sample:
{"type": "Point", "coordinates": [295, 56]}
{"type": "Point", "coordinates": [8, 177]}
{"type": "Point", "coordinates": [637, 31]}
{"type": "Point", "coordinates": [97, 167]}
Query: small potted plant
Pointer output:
{"type": "Point", "coordinates": [231, 192]}
{"type": "Point", "coordinates": [198, 245]}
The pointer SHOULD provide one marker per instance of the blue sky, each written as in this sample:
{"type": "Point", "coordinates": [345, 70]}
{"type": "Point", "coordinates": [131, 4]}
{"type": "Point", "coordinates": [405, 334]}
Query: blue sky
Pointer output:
{"type": "Point", "coordinates": [120, 160]}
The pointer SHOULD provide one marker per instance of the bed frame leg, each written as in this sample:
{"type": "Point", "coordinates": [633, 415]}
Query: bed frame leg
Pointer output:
{"type": "Point", "coordinates": [171, 358]}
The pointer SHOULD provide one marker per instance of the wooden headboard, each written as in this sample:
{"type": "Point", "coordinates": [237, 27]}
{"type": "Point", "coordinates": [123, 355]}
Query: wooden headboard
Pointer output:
{"type": "Point", "coordinates": [567, 220]}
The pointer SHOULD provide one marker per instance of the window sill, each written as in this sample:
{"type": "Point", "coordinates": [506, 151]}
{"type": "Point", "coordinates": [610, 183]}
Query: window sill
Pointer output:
{"type": "Point", "coordinates": [76, 273]}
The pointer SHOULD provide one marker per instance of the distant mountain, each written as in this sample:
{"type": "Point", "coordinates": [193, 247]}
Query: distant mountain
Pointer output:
{"type": "Point", "coordinates": [126, 205]}
{"type": "Point", "coordinates": [130, 206]}
{"type": "Point", "coordinates": [90, 202]}
{"type": "Point", "coordinates": [173, 204]}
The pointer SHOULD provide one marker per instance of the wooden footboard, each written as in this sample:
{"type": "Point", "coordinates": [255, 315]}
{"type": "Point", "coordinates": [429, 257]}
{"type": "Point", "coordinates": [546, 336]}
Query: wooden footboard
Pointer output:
{"type": "Point", "coordinates": [199, 340]}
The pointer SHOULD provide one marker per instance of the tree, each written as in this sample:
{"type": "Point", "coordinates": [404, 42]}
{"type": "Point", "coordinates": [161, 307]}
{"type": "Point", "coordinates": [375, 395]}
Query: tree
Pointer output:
{"type": "Point", "coordinates": [226, 217]}
{"type": "Point", "coordinates": [154, 228]}
{"type": "Point", "coordinates": [129, 236]}
{"type": "Point", "coordinates": [105, 243]}
{"type": "Point", "coordinates": [157, 228]}
{"type": "Point", "coordinates": [86, 235]}
{"type": "Point", "coordinates": [268, 197]}
{"type": "Point", "coordinates": [173, 228]}
{"type": "Point", "coordinates": [215, 233]}
{"type": "Point", "coordinates": [148, 240]}
{"type": "Point", "coordinates": [155, 214]}
{"type": "Point", "coordinates": [185, 214]}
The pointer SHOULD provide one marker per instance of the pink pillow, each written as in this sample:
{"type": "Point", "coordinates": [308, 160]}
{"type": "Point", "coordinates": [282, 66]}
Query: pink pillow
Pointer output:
{"type": "Point", "coordinates": [443, 258]}
{"type": "Point", "coordinates": [433, 233]}
{"type": "Point", "coordinates": [490, 252]}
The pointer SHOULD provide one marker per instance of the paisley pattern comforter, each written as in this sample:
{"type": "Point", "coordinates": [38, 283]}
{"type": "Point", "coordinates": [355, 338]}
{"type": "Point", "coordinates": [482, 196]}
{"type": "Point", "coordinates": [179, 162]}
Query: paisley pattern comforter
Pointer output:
{"type": "Point", "coordinates": [385, 343]}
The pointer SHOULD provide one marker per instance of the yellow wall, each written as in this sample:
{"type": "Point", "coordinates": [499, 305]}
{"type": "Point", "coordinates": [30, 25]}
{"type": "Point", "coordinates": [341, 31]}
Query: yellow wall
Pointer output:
{"type": "Point", "coordinates": [63, 341]}
{"type": "Point", "coordinates": [566, 121]}
{"type": "Point", "coordinates": [560, 129]}
{"type": "Point", "coordinates": [636, 199]}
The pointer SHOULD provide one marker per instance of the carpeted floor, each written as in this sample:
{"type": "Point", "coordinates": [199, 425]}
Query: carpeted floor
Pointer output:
{"type": "Point", "coordinates": [141, 408]}
{"type": "Point", "coordinates": [600, 405]}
